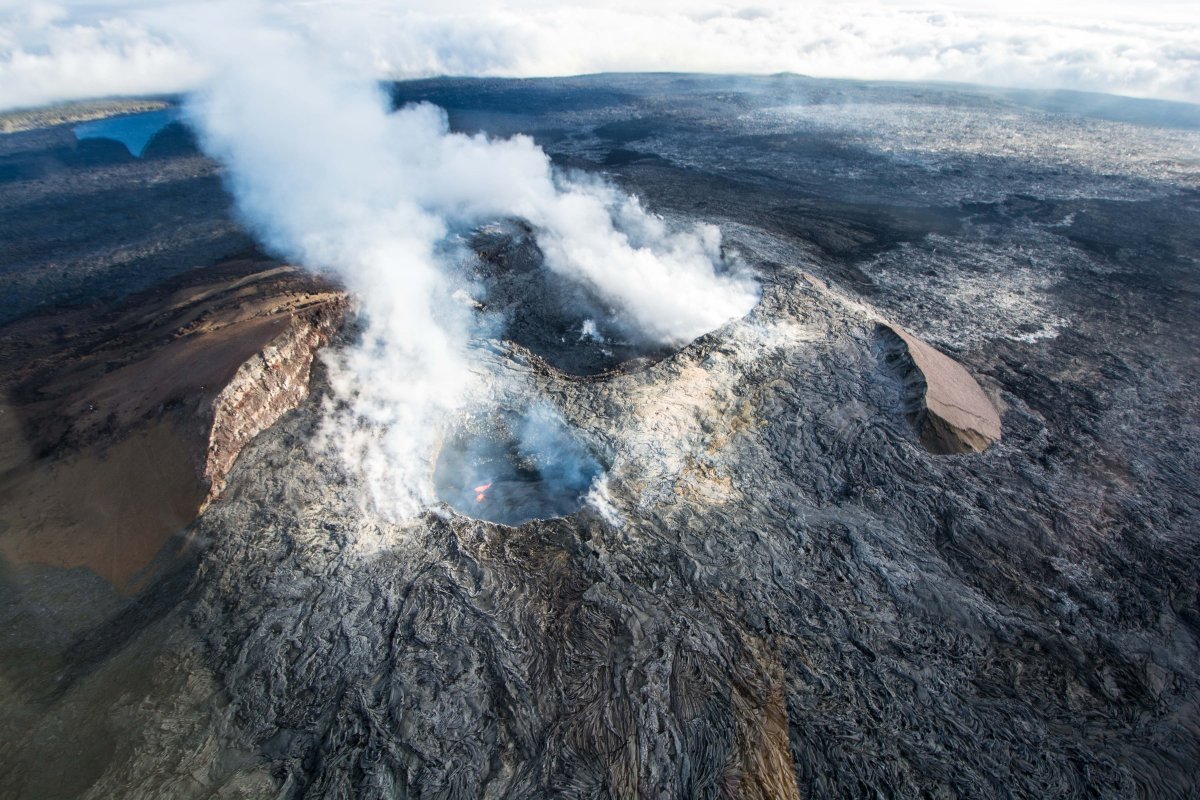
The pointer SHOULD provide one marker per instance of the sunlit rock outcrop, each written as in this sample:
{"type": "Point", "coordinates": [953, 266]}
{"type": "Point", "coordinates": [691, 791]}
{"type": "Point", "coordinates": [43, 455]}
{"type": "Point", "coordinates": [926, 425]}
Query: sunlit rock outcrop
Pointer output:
{"type": "Point", "coordinates": [949, 410]}
{"type": "Point", "coordinates": [122, 427]}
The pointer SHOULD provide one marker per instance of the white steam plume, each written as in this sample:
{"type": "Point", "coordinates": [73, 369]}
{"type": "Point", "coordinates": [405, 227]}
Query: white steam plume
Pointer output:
{"type": "Point", "coordinates": [325, 175]}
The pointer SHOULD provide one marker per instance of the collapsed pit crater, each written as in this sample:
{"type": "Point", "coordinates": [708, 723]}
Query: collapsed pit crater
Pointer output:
{"type": "Point", "coordinates": [510, 467]}
{"type": "Point", "coordinates": [556, 318]}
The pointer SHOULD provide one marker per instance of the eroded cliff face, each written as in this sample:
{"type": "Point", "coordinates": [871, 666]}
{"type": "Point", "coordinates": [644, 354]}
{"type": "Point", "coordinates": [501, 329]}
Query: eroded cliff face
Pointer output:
{"type": "Point", "coordinates": [122, 426]}
{"type": "Point", "coordinates": [267, 385]}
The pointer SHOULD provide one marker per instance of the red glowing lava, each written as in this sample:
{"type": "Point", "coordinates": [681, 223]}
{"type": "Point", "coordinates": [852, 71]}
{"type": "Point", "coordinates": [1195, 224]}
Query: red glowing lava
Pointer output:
{"type": "Point", "coordinates": [481, 491]}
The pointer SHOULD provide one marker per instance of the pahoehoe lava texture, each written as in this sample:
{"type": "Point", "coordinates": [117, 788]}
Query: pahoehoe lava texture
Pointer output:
{"type": "Point", "coordinates": [781, 592]}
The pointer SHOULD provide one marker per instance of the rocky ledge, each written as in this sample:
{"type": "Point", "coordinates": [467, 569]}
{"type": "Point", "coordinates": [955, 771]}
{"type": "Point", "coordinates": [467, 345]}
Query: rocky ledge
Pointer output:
{"type": "Point", "coordinates": [119, 428]}
{"type": "Point", "coordinates": [270, 383]}
{"type": "Point", "coordinates": [941, 400]}
{"type": "Point", "coordinates": [948, 408]}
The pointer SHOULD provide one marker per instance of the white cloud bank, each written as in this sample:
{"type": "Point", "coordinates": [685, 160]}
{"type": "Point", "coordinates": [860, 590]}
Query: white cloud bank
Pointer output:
{"type": "Point", "coordinates": [52, 52]}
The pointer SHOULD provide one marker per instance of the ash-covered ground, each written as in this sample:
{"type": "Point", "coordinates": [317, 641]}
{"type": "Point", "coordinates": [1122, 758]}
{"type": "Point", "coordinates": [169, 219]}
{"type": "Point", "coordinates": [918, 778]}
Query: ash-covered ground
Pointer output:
{"type": "Point", "coordinates": [776, 590]}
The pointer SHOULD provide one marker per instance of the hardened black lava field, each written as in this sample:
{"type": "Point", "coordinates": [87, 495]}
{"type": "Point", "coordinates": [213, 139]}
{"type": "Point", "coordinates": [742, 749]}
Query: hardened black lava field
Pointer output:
{"type": "Point", "coordinates": [774, 591]}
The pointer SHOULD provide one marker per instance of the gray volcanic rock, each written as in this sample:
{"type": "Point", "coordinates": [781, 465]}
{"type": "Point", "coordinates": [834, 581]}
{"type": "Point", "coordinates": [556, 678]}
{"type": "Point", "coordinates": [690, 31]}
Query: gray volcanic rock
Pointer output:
{"type": "Point", "coordinates": [767, 558]}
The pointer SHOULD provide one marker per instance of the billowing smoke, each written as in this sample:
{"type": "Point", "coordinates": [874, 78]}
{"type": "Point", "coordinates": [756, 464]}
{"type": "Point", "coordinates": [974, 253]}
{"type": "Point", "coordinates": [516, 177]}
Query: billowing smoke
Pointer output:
{"type": "Point", "coordinates": [328, 176]}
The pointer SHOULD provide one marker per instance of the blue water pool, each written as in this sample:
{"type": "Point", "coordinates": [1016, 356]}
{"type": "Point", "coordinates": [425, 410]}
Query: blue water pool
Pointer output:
{"type": "Point", "coordinates": [132, 130]}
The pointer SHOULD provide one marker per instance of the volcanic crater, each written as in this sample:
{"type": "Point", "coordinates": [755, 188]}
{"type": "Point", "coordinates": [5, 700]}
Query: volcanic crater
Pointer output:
{"type": "Point", "coordinates": [559, 319]}
{"type": "Point", "coordinates": [787, 578]}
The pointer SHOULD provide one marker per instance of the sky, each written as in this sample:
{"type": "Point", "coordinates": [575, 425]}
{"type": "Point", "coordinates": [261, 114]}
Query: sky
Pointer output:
{"type": "Point", "coordinates": [92, 48]}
